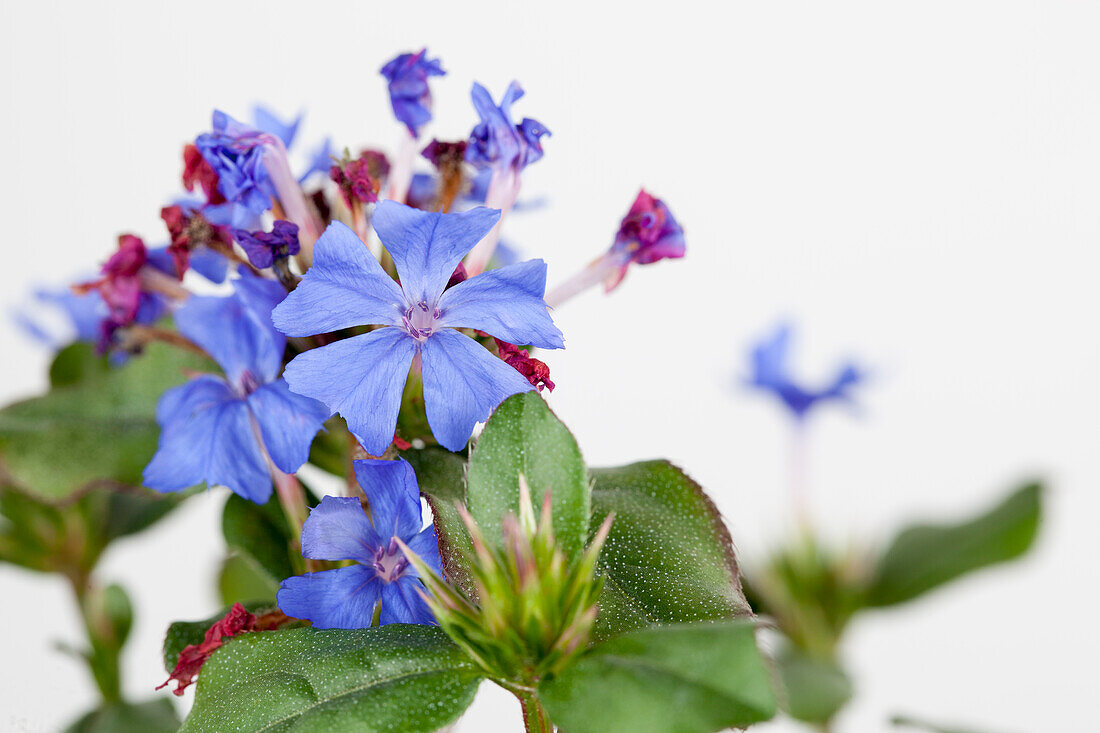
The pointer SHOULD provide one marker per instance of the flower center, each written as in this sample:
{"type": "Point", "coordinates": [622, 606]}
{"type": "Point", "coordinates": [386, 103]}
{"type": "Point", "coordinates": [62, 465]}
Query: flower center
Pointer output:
{"type": "Point", "coordinates": [390, 562]}
{"type": "Point", "coordinates": [420, 320]}
{"type": "Point", "coordinates": [247, 384]}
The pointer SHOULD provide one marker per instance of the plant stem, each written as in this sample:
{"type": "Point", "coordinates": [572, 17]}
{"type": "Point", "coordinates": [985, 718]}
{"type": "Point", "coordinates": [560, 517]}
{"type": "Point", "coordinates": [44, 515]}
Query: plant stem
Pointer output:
{"type": "Point", "coordinates": [102, 657]}
{"type": "Point", "coordinates": [535, 719]}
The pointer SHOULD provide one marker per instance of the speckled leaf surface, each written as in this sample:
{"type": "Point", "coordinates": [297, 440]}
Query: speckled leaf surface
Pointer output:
{"type": "Point", "coordinates": [669, 557]}
{"type": "Point", "coordinates": [688, 678]}
{"type": "Point", "coordinates": [389, 679]}
{"type": "Point", "coordinates": [524, 437]}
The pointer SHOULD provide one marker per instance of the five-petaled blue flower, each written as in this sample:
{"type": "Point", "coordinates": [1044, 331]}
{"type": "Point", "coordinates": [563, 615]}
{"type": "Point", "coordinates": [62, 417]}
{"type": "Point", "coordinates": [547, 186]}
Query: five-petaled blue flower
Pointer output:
{"type": "Point", "coordinates": [771, 372]}
{"type": "Point", "coordinates": [211, 427]}
{"type": "Point", "coordinates": [407, 76]}
{"type": "Point", "coordinates": [363, 377]}
{"type": "Point", "coordinates": [236, 153]}
{"type": "Point", "coordinates": [338, 529]}
{"type": "Point", "coordinates": [498, 143]}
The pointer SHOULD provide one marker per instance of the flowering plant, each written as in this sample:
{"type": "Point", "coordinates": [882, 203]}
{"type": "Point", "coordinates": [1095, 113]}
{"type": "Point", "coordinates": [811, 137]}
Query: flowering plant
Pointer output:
{"type": "Point", "coordinates": [325, 345]}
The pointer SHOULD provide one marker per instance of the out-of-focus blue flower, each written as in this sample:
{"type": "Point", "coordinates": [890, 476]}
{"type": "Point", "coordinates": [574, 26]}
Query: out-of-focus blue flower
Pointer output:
{"type": "Point", "coordinates": [362, 377]}
{"type": "Point", "coordinates": [266, 121]}
{"type": "Point", "coordinates": [338, 529]}
{"type": "Point", "coordinates": [209, 425]}
{"type": "Point", "coordinates": [263, 248]}
{"type": "Point", "coordinates": [407, 77]}
{"type": "Point", "coordinates": [771, 372]}
{"type": "Point", "coordinates": [80, 317]}
{"type": "Point", "coordinates": [211, 265]}
{"type": "Point", "coordinates": [320, 160]}
{"type": "Point", "coordinates": [235, 152]}
{"type": "Point", "coordinates": [498, 143]}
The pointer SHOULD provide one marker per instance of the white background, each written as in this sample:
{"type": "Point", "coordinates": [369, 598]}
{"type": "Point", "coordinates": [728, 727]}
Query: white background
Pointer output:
{"type": "Point", "coordinates": [915, 184]}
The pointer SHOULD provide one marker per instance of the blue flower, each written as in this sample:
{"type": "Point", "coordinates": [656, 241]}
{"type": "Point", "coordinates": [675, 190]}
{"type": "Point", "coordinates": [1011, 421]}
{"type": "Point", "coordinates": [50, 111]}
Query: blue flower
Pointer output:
{"type": "Point", "coordinates": [81, 316]}
{"type": "Point", "coordinates": [771, 372]}
{"type": "Point", "coordinates": [407, 77]}
{"type": "Point", "coordinates": [362, 377]}
{"type": "Point", "coordinates": [263, 248]}
{"type": "Point", "coordinates": [266, 121]}
{"type": "Point", "coordinates": [211, 426]}
{"type": "Point", "coordinates": [235, 152]}
{"type": "Point", "coordinates": [320, 160]}
{"type": "Point", "coordinates": [498, 143]}
{"type": "Point", "coordinates": [338, 529]}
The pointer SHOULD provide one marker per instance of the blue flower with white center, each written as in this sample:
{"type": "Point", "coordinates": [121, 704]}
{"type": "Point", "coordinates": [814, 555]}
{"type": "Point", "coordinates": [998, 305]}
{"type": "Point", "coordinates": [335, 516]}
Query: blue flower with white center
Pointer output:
{"type": "Point", "coordinates": [363, 377]}
{"type": "Point", "coordinates": [222, 430]}
{"type": "Point", "coordinates": [498, 143]}
{"type": "Point", "coordinates": [771, 372]}
{"type": "Point", "coordinates": [338, 529]}
{"type": "Point", "coordinates": [407, 80]}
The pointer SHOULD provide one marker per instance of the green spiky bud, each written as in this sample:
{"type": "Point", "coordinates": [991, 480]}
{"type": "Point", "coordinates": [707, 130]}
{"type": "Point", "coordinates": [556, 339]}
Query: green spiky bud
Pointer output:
{"type": "Point", "coordinates": [534, 608]}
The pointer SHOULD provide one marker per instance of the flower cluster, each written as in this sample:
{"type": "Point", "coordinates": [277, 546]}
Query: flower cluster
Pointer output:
{"type": "Point", "coordinates": [343, 311]}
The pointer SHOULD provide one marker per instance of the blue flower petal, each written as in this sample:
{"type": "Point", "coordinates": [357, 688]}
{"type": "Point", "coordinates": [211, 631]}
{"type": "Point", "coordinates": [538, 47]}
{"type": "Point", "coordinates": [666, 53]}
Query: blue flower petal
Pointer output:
{"type": "Point", "coordinates": [393, 495]}
{"type": "Point", "coordinates": [463, 384]}
{"type": "Point", "coordinates": [338, 529]}
{"type": "Point", "coordinates": [426, 247]}
{"type": "Point", "coordinates": [402, 604]}
{"type": "Point", "coordinates": [237, 330]}
{"type": "Point", "coordinates": [266, 121]}
{"type": "Point", "coordinates": [361, 378]}
{"type": "Point", "coordinates": [332, 599]}
{"type": "Point", "coordinates": [426, 545]}
{"type": "Point", "coordinates": [208, 435]}
{"type": "Point", "coordinates": [288, 423]}
{"type": "Point", "coordinates": [506, 303]}
{"type": "Point", "coordinates": [345, 287]}
{"type": "Point", "coordinates": [211, 265]}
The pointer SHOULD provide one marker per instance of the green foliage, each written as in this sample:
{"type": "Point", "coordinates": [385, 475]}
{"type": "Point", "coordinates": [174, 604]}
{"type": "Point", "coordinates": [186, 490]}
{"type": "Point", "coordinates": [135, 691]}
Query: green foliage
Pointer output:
{"type": "Point", "coordinates": [96, 425]}
{"type": "Point", "coordinates": [669, 557]}
{"type": "Point", "coordinates": [390, 678]}
{"type": "Point", "coordinates": [814, 690]}
{"type": "Point", "coordinates": [329, 450]}
{"type": "Point", "coordinates": [926, 556]}
{"type": "Point", "coordinates": [261, 533]}
{"type": "Point", "coordinates": [155, 716]}
{"type": "Point", "coordinates": [524, 437]}
{"type": "Point", "coordinates": [68, 537]}
{"type": "Point", "coordinates": [691, 678]}
{"type": "Point", "coordinates": [242, 578]}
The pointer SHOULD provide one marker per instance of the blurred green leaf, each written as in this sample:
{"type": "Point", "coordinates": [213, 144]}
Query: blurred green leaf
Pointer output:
{"type": "Point", "coordinates": [99, 425]}
{"type": "Point", "coordinates": [390, 678]}
{"type": "Point", "coordinates": [329, 451]}
{"type": "Point", "coordinates": [261, 533]}
{"type": "Point", "coordinates": [908, 722]}
{"type": "Point", "coordinates": [687, 678]}
{"type": "Point", "coordinates": [76, 363]}
{"type": "Point", "coordinates": [524, 437]}
{"type": "Point", "coordinates": [243, 578]}
{"type": "Point", "coordinates": [669, 557]}
{"type": "Point", "coordinates": [815, 688]}
{"type": "Point", "coordinates": [926, 556]}
{"type": "Point", "coordinates": [442, 479]}
{"type": "Point", "coordinates": [155, 716]}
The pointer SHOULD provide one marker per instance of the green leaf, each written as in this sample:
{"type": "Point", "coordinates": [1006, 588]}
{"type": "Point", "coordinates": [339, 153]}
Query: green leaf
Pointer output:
{"type": "Point", "coordinates": [688, 678]}
{"type": "Point", "coordinates": [242, 578]}
{"type": "Point", "coordinates": [76, 363]}
{"type": "Point", "coordinates": [815, 688]}
{"type": "Point", "coordinates": [442, 479]}
{"type": "Point", "coordinates": [669, 557]}
{"type": "Point", "coordinates": [100, 427]}
{"type": "Point", "coordinates": [155, 716]}
{"type": "Point", "coordinates": [524, 437]}
{"type": "Point", "coordinates": [390, 678]}
{"type": "Point", "coordinates": [926, 556]}
{"type": "Point", "coordinates": [329, 450]}
{"type": "Point", "coordinates": [261, 533]}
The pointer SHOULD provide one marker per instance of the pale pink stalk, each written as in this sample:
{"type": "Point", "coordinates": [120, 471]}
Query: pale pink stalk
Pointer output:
{"type": "Point", "coordinates": [502, 194]}
{"type": "Point", "coordinates": [292, 199]}
{"type": "Point", "coordinates": [292, 498]}
{"type": "Point", "coordinates": [590, 276]}
{"type": "Point", "coordinates": [155, 281]}
{"type": "Point", "coordinates": [401, 172]}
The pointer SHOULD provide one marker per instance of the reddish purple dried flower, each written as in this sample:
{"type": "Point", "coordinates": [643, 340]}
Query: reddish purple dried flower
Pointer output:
{"type": "Point", "coordinates": [356, 183]}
